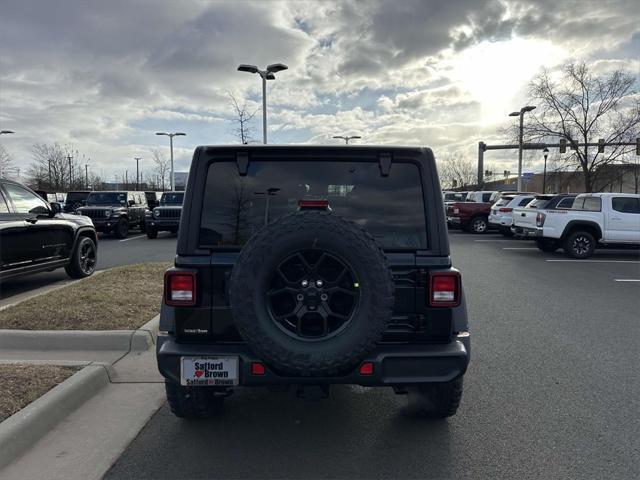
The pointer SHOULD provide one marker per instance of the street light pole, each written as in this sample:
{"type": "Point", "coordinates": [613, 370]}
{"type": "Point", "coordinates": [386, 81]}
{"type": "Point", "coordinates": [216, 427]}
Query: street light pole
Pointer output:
{"type": "Point", "coordinates": [86, 175]}
{"type": "Point", "coordinates": [347, 138]}
{"type": "Point", "coordinates": [520, 114]}
{"type": "Point", "coordinates": [266, 74]}
{"type": "Point", "coordinates": [545, 152]}
{"type": "Point", "coordinates": [171, 135]}
{"type": "Point", "coordinates": [137, 159]}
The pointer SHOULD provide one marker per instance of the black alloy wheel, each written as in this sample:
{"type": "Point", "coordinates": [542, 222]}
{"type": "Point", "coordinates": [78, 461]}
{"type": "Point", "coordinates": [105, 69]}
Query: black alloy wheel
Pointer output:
{"type": "Point", "coordinates": [88, 257]}
{"type": "Point", "coordinates": [313, 295]}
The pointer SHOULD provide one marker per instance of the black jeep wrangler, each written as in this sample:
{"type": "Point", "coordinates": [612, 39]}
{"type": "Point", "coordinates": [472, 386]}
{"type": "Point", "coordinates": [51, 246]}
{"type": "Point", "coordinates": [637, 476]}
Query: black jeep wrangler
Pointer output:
{"type": "Point", "coordinates": [309, 266]}
{"type": "Point", "coordinates": [116, 211]}
{"type": "Point", "coordinates": [166, 216]}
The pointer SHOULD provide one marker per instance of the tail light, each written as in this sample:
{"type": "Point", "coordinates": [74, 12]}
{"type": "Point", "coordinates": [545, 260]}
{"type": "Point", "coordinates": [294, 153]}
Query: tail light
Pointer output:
{"type": "Point", "coordinates": [456, 211]}
{"type": "Point", "coordinates": [444, 289]}
{"type": "Point", "coordinates": [366, 369]}
{"type": "Point", "coordinates": [540, 218]}
{"type": "Point", "coordinates": [180, 288]}
{"type": "Point", "coordinates": [506, 210]}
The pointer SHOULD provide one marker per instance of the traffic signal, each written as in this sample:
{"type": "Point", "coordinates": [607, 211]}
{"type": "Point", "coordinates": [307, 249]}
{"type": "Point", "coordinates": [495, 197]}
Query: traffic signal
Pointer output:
{"type": "Point", "coordinates": [563, 145]}
{"type": "Point", "coordinates": [601, 145]}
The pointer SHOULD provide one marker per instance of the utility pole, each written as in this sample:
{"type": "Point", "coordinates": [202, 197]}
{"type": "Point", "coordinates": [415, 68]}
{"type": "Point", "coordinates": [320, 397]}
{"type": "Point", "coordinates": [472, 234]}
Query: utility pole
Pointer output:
{"type": "Point", "coordinates": [137, 159]}
{"type": "Point", "coordinates": [86, 176]}
{"type": "Point", "coordinates": [70, 172]}
{"type": "Point", "coordinates": [126, 179]}
{"type": "Point", "coordinates": [520, 114]}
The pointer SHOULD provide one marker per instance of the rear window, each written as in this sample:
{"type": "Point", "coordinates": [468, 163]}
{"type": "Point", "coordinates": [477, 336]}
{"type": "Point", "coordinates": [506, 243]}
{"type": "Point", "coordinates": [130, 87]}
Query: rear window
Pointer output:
{"type": "Point", "coordinates": [525, 201]}
{"type": "Point", "coordinates": [389, 208]}
{"type": "Point", "coordinates": [503, 201]}
{"type": "Point", "coordinates": [538, 202]}
{"type": "Point", "coordinates": [565, 203]}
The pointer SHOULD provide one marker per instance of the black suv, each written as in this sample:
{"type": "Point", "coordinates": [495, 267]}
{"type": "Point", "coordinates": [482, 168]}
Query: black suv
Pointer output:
{"type": "Point", "coordinates": [311, 266]}
{"type": "Point", "coordinates": [116, 211]}
{"type": "Point", "coordinates": [166, 216]}
{"type": "Point", "coordinates": [35, 236]}
{"type": "Point", "coordinates": [75, 200]}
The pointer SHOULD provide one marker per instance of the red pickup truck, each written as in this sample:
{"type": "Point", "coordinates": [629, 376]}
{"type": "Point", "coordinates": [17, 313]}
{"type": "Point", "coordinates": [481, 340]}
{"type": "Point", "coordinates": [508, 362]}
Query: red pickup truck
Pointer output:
{"type": "Point", "coordinates": [469, 216]}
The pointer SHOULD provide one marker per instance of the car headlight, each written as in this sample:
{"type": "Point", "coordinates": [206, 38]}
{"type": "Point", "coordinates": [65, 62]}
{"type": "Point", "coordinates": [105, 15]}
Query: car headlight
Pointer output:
{"type": "Point", "coordinates": [156, 213]}
{"type": "Point", "coordinates": [108, 213]}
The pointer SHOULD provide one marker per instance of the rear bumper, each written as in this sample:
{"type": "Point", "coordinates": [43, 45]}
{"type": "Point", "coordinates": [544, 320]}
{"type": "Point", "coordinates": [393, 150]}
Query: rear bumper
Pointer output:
{"type": "Point", "coordinates": [527, 232]}
{"type": "Point", "coordinates": [394, 364]}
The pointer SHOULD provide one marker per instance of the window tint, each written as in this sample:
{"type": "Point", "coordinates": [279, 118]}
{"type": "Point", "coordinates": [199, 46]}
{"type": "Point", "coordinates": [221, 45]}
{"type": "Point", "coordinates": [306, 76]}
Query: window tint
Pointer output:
{"type": "Point", "coordinates": [389, 208]}
{"type": "Point", "coordinates": [566, 202]}
{"type": "Point", "coordinates": [486, 197]}
{"type": "Point", "coordinates": [524, 202]}
{"type": "Point", "coordinates": [592, 204]}
{"type": "Point", "coordinates": [626, 204]}
{"type": "Point", "coordinates": [471, 197]}
{"type": "Point", "coordinates": [25, 201]}
{"type": "Point", "coordinates": [538, 203]}
{"type": "Point", "coordinates": [106, 198]}
{"type": "Point", "coordinates": [172, 198]}
{"type": "Point", "coordinates": [503, 201]}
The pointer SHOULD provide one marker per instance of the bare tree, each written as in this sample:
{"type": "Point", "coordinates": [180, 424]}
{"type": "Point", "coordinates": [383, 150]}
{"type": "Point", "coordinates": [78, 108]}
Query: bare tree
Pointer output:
{"type": "Point", "coordinates": [581, 108]}
{"type": "Point", "coordinates": [457, 172]}
{"type": "Point", "coordinates": [243, 126]}
{"type": "Point", "coordinates": [236, 215]}
{"type": "Point", "coordinates": [7, 168]}
{"type": "Point", "coordinates": [55, 167]}
{"type": "Point", "coordinates": [162, 167]}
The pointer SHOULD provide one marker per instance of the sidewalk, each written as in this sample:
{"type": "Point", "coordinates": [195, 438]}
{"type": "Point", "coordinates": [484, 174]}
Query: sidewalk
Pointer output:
{"type": "Point", "coordinates": [85, 443]}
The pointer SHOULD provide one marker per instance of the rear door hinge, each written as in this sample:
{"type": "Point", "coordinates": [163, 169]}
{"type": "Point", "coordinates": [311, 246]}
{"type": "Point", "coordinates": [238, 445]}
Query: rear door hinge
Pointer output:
{"type": "Point", "coordinates": [384, 162]}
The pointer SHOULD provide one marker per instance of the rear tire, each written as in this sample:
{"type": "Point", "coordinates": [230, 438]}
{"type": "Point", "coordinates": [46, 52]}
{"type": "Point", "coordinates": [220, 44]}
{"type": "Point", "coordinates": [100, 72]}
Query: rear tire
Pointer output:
{"type": "Point", "coordinates": [152, 232]}
{"type": "Point", "coordinates": [122, 228]}
{"type": "Point", "coordinates": [579, 244]}
{"type": "Point", "coordinates": [506, 232]}
{"type": "Point", "coordinates": [479, 225]}
{"type": "Point", "coordinates": [193, 402]}
{"type": "Point", "coordinates": [83, 260]}
{"type": "Point", "coordinates": [435, 400]}
{"type": "Point", "coordinates": [547, 245]}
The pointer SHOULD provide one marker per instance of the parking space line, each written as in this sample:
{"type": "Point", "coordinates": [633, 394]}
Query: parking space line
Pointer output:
{"type": "Point", "coordinates": [627, 279]}
{"type": "Point", "coordinates": [499, 240]}
{"type": "Point", "coordinates": [519, 248]}
{"type": "Point", "coordinates": [597, 261]}
{"type": "Point", "coordinates": [131, 238]}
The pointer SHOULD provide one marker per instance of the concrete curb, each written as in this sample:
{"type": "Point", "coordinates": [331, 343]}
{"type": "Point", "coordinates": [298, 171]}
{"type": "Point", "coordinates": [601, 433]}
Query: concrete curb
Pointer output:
{"type": "Point", "coordinates": [115, 340]}
{"type": "Point", "coordinates": [20, 431]}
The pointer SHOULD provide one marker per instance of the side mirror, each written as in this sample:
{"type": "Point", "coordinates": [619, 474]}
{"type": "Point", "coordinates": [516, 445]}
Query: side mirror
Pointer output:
{"type": "Point", "coordinates": [55, 208]}
{"type": "Point", "coordinates": [132, 203]}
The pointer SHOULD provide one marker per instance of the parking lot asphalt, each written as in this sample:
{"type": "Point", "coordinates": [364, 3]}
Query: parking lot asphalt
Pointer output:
{"type": "Point", "coordinates": [552, 391]}
{"type": "Point", "coordinates": [136, 248]}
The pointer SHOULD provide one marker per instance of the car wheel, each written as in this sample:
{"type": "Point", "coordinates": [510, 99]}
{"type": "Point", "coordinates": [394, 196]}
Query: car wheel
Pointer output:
{"type": "Point", "coordinates": [479, 225]}
{"type": "Point", "coordinates": [122, 228]}
{"type": "Point", "coordinates": [312, 294]}
{"type": "Point", "coordinates": [579, 244]}
{"type": "Point", "coordinates": [547, 245]}
{"type": "Point", "coordinates": [194, 402]}
{"type": "Point", "coordinates": [152, 232]}
{"type": "Point", "coordinates": [84, 259]}
{"type": "Point", "coordinates": [434, 400]}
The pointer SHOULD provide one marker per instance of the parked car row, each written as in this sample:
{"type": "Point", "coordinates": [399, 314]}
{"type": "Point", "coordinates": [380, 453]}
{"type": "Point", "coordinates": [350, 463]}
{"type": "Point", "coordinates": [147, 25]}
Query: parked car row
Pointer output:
{"type": "Point", "coordinates": [37, 235]}
{"type": "Point", "coordinates": [577, 223]}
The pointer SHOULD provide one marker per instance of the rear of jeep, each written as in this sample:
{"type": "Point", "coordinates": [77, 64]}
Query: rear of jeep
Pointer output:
{"type": "Point", "coordinates": [303, 267]}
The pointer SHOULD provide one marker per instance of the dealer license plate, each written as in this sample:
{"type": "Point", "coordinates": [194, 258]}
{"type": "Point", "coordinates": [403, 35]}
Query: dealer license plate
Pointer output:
{"type": "Point", "coordinates": [209, 371]}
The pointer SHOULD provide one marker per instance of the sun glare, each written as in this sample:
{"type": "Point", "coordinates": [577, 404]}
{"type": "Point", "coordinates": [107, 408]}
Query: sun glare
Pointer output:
{"type": "Point", "coordinates": [496, 73]}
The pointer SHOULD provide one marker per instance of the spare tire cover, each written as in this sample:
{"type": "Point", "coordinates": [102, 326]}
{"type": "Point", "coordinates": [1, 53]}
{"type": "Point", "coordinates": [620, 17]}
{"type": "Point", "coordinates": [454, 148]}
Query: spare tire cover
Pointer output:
{"type": "Point", "coordinates": [311, 294]}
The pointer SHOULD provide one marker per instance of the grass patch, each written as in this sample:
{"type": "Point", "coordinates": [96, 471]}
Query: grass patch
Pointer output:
{"type": "Point", "coordinates": [22, 384]}
{"type": "Point", "coordinates": [120, 298]}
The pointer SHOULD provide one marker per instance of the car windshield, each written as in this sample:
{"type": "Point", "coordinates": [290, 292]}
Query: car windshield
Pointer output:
{"type": "Point", "coordinates": [106, 198]}
{"type": "Point", "coordinates": [76, 196]}
{"type": "Point", "coordinates": [390, 208]}
{"type": "Point", "coordinates": [172, 198]}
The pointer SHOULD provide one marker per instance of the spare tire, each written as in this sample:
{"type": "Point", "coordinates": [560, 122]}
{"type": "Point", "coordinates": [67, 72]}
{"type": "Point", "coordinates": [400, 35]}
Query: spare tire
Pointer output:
{"type": "Point", "coordinates": [311, 294]}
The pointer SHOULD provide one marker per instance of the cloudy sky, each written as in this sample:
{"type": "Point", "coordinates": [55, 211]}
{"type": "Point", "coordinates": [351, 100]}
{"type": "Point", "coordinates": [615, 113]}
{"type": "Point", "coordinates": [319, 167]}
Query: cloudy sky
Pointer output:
{"type": "Point", "coordinates": [105, 75]}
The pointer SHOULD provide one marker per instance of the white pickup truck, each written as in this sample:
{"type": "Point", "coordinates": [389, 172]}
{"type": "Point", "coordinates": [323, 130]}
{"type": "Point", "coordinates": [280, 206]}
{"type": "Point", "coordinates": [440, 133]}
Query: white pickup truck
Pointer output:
{"type": "Point", "coordinates": [595, 219]}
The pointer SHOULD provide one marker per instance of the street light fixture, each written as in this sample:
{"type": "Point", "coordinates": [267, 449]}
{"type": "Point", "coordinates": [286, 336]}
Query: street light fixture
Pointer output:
{"type": "Point", "coordinates": [266, 74]}
{"type": "Point", "coordinates": [545, 153]}
{"type": "Point", "coordinates": [347, 138]}
{"type": "Point", "coordinates": [171, 135]}
{"type": "Point", "coordinates": [520, 114]}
